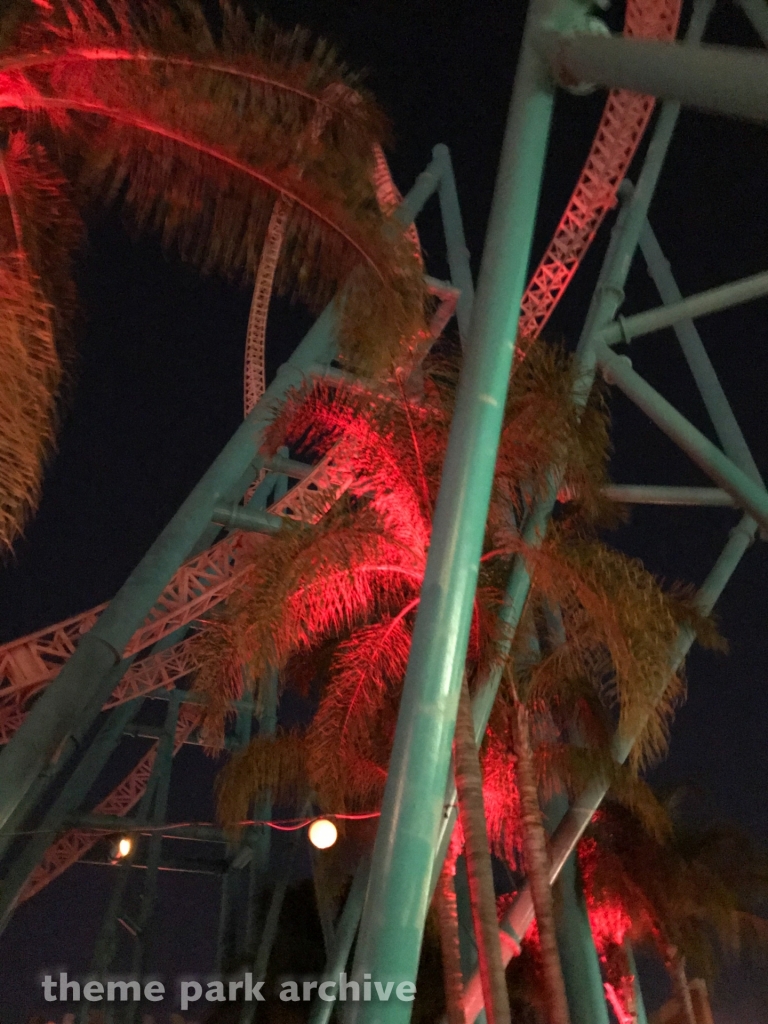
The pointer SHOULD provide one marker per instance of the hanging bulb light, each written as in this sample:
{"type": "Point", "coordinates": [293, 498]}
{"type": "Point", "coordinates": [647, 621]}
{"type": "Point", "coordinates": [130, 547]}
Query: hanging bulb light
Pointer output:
{"type": "Point", "coordinates": [322, 833]}
{"type": "Point", "coordinates": [121, 848]}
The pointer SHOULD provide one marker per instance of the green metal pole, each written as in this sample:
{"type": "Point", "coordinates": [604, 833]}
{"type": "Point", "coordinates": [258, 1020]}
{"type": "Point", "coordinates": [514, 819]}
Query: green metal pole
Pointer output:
{"type": "Point", "coordinates": [719, 79]}
{"type": "Point", "coordinates": [398, 895]}
{"type": "Point", "coordinates": [606, 300]}
{"type": "Point", "coordinates": [725, 296]}
{"type": "Point", "coordinates": [578, 956]}
{"type": "Point", "coordinates": [650, 494]}
{"type": "Point", "coordinates": [148, 905]}
{"type": "Point", "coordinates": [718, 406]}
{"type": "Point", "coordinates": [746, 493]}
{"type": "Point", "coordinates": [641, 1017]}
{"type": "Point", "coordinates": [74, 792]}
{"type": "Point", "coordinates": [455, 242]}
{"type": "Point", "coordinates": [757, 12]}
{"type": "Point", "coordinates": [259, 836]}
{"type": "Point", "coordinates": [343, 938]}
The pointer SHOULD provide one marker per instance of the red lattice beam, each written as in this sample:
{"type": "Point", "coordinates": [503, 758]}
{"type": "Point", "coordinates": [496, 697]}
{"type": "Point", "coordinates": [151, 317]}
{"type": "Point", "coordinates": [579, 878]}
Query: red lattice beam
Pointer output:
{"type": "Point", "coordinates": [624, 120]}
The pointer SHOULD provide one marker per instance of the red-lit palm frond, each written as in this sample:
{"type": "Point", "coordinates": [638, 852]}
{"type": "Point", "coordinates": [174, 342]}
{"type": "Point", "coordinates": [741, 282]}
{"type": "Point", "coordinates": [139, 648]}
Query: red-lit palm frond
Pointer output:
{"type": "Point", "coordinates": [303, 586]}
{"type": "Point", "coordinates": [393, 450]}
{"type": "Point", "coordinates": [501, 798]}
{"type": "Point", "coordinates": [355, 720]}
{"type": "Point", "coordinates": [29, 377]}
{"type": "Point", "coordinates": [689, 890]}
{"type": "Point", "coordinates": [561, 768]}
{"type": "Point", "coordinates": [39, 230]}
{"type": "Point", "coordinates": [202, 134]}
{"type": "Point", "coordinates": [619, 625]}
{"type": "Point", "coordinates": [544, 427]}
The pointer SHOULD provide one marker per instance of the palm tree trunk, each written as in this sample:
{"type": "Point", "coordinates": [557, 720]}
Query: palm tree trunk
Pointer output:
{"type": "Point", "coordinates": [448, 922]}
{"type": "Point", "coordinates": [676, 968]}
{"type": "Point", "coordinates": [469, 788]}
{"type": "Point", "coordinates": [537, 867]}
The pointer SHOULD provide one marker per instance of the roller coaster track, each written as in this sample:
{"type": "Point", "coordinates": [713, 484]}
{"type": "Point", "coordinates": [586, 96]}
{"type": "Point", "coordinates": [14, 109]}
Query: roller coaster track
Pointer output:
{"type": "Point", "coordinates": [621, 128]}
{"type": "Point", "coordinates": [30, 663]}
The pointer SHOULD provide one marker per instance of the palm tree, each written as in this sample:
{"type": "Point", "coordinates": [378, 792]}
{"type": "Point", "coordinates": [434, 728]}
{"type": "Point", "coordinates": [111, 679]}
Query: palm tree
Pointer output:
{"type": "Point", "coordinates": [688, 893]}
{"type": "Point", "coordinates": [203, 136]}
{"type": "Point", "coordinates": [343, 595]}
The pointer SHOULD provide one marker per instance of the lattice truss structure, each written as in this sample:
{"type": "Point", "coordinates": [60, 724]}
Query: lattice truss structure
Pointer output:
{"type": "Point", "coordinates": [159, 655]}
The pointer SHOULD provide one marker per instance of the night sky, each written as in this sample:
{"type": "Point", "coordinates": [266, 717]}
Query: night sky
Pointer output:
{"type": "Point", "coordinates": [157, 392]}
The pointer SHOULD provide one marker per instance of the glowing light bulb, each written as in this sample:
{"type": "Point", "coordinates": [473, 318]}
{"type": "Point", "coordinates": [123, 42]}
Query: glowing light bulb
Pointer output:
{"type": "Point", "coordinates": [125, 846]}
{"type": "Point", "coordinates": [322, 833]}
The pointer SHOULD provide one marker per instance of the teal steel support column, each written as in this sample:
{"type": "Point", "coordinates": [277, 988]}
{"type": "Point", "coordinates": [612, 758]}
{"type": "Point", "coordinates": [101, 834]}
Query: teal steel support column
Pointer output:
{"type": "Point", "coordinates": [455, 242]}
{"type": "Point", "coordinates": [725, 296]}
{"type": "Point", "coordinates": [718, 406]}
{"type": "Point", "coordinates": [650, 494]}
{"type": "Point", "coordinates": [746, 493]}
{"type": "Point", "coordinates": [578, 956]}
{"type": "Point", "coordinates": [338, 956]}
{"type": "Point", "coordinates": [398, 894]}
{"type": "Point", "coordinates": [718, 79]}
{"type": "Point", "coordinates": [757, 12]}
{"type": "Point", "coordinates": [72, 795]}
{"type": "Point", "coordinates": [607, 299]}
{"type": "Point", "coordinates": [267, 940]}
{"type": "Point", "coordinates": [148, 905]}
{"type": "Point", "coordinates": [259, 836]}
{"type": "Point", "coordinates": [641, 1017]}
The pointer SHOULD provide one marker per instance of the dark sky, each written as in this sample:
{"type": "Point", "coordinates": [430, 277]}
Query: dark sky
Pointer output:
{"type": "Point", "coordinates": [158, 392]}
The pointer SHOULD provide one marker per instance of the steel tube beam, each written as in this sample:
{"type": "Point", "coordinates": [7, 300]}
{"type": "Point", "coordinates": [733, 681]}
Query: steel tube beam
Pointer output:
{"type": "Point", "coordinates": [74, 792]}
{"type": "Point", "coordinates": [718, 79]}
{"type": "Point", "coordinates": [520, 915]}
{"type": "Point", "coordinates": [643, 494]}
{"type": "Point", "coordinates": [455, 242]}
{"type": "Point", "coordinates": [757, 12]}
{"type": "Point", "coordinates": [578, 956]}
{"type": "Point", "coordinates": [399, 892]}
{"type": "Point", "coordinates": [711, 301]}
{"type": "Point", "coordinates": [606, 300]}
{"type": "Point", "coordinates": [747, 494]}
{"type": "Point", "coordinates": [235, 517]}
{"type": "Point", "coordinates": [718, 406]}
{"type": "Point", "coordinates": [343, 938]}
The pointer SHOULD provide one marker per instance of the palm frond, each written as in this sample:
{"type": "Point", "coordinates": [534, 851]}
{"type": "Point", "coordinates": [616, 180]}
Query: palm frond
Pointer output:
{"type": "Point", "coordinates": [30, 376]}
{"type": "Point", "coordinates": [201, 135]}
{"type": "Point", "coordinates": [268, 766]}
{"type": "Point", "coordinates": [610, 603]}
{"type": "Point", "coordinates": [348, 727]}
{"type": "Point", "coordinates": [304, 585]}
